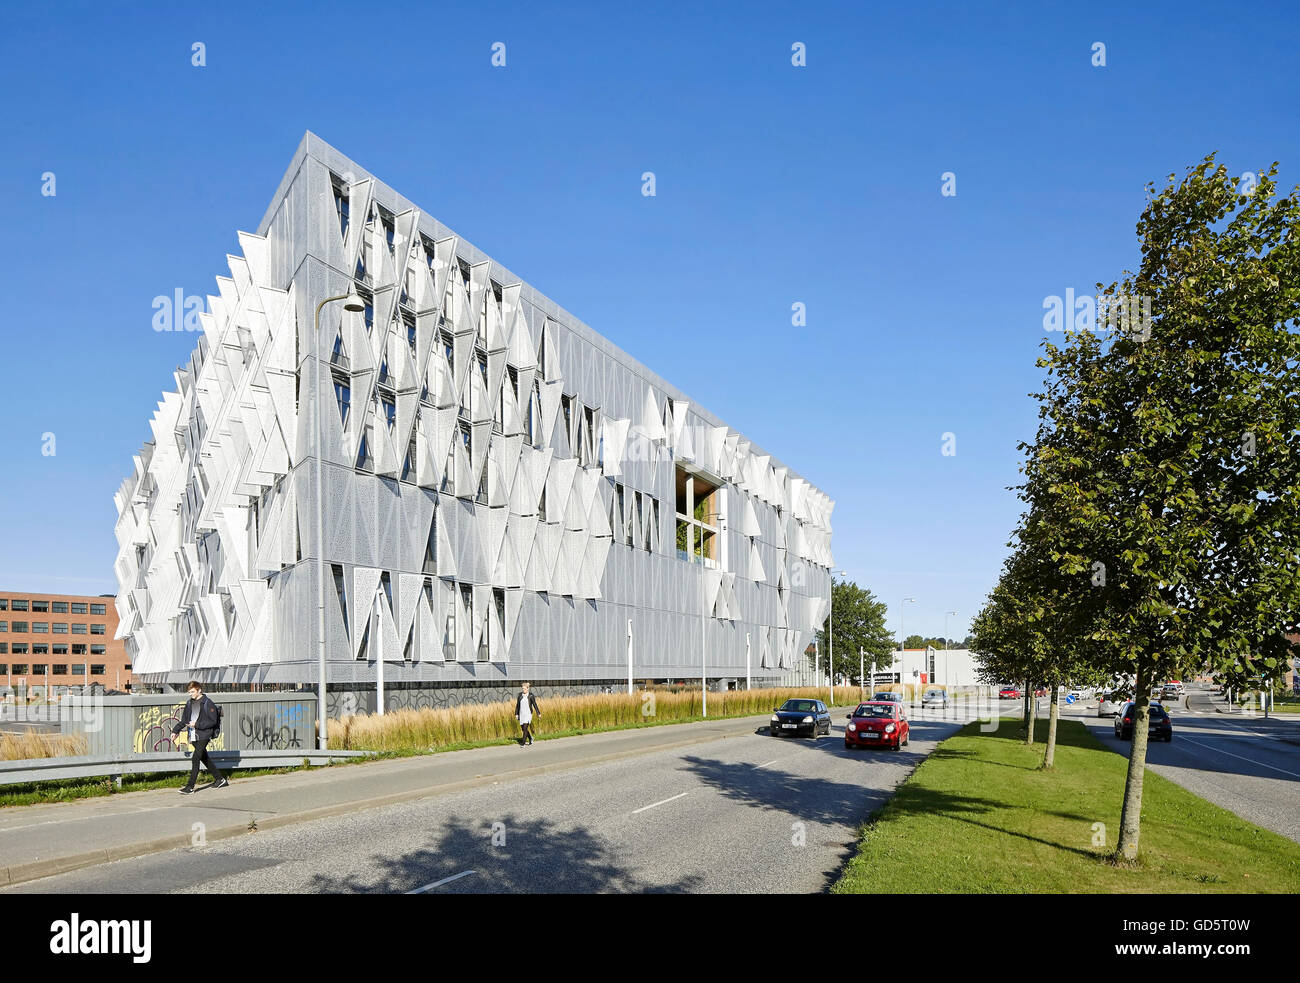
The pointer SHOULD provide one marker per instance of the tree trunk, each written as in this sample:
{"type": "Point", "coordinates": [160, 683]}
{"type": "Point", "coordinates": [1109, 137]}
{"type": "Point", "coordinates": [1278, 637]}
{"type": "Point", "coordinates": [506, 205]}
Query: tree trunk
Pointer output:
{"type": "Point", "coordinates": [1130, 820]}
{"type": "Point", "coordinates": [1049, 759]}
{"type": "Point", "coordinates": [1031, 712]}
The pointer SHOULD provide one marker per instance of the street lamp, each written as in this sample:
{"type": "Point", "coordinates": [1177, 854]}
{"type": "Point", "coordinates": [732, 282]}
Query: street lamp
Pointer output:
{"type": "Point", "coordinates": [830, 658]}
{"type": "Point", "coordinates": [902, 639]}
{"type": "Point", "coordinates": [946, 616]}
{"type": "Point", "coordinates": [353, 305]}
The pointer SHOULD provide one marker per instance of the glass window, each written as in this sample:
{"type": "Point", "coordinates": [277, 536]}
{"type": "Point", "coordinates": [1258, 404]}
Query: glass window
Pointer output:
{"type": "Point", "coordinates": [60, 669]}
{"type": "Point", "coordinates": [98, 649]}
{"type": "Point", "coordinates": [98, 609]}
{"type": "Point", "coordinates": [59, 628]}
{"type": "Point", "coordinates": [20, 605]}
{"type": "Point", "coordinates": [59, 607]}
{"type": "Point", "coordinates": [40, 648]}
{"type": "Point", "coordinates": [79, 650]}
{"type": "Point", "coordinates": [4, 669]}
{"type": "Point", "coordinates": [79, 669]}
{"type": "Point", "coordinates": [78, 607]}
{"type": "Point", "coordinates": [20, 668]}
{"type": "Point", "coordinates": [39, 669]}
{"type": "Point", "coordinates": [4, 650]}
{"type": "Point", "coordinates": [40, 607]}
{"type": "Point", "coordinates": [4, 626]}
{"type": "Point", "coordinates": [97, 629]}
{"type": "Point", "coordinates": [4, 604]}
{"type": "Point", "coordinates": [40, 627]}
{"type": "Point", "coordinates": [78, 629]}
{"type": "Point", "coordinates": [60, 650]}
{"type": "Point", "coordinates": [96, 670]}
{"type": "Point", "coordinates": [20, 627]}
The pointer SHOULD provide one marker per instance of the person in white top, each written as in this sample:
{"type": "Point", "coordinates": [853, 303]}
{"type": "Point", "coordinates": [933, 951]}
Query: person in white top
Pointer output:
{"type": "Point", "coordinates": [526, 712]}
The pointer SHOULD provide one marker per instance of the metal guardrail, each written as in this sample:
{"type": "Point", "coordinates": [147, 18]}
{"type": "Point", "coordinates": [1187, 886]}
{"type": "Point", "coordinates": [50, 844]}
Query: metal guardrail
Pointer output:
{"type": "Point", "coordinates": [114, 766]}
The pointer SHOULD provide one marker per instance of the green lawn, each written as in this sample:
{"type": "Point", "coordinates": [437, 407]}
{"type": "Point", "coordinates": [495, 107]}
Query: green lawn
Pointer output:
{"type": "Point", "coordinates": [979, 817]}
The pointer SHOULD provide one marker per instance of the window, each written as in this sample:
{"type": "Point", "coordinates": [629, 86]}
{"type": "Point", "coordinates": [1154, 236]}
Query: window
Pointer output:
{"type": "Point", "coordinates": [98, 609]}
{"type": "Point", "coordinates": [4, 669]}
{"type": "Point", "coordinates": [566, 407]}
{"type": "Point", "coordinates": [97, 629]}
{"type": "Point", "coordinates": [98, 649]}
{"type": "Point", "coordinates": [341, 204]}
{"type": "Point", "coordinates": [389, 405]}
{"type": "Point", "coordinates": [79, 650]}
{"type": "Point", "coordinates": [59, 628]}
{"type": "Point", "coordinates": [78, 629]}
{"type": "Point", "coordinates": [343, 393]}
{"type": "Point", "coordinates": [60, 669]}
{"type": "Point", "coordinates": [4, 604]}
{"type": "Point", "coordinates": [60, 650]}
{"type": "Point", "coordinates": [410, 332]}
{"type": "Point", "coordinates": [4, 626]}
{"type": "Point", "coordinates": [78, 607]}
{"type": "Point", "coordinates": [364, 461]}
{"type": "Point", "coordinates": [697, 517]}
{"type": "Point", "coordinates": [40, 668]}
{"type": "Point", "coordinates": [40, 648]}
{"type": "Point", "coordinates": [59, 607]}
{"type": "Point", "coordinates": [20, 627]}
{"type": "Point", "coordinates": [79, 669]}
{"type": "Point", "coordinates": [40, 607]}
{"type": "Point", "coordinates": [40, 627]}
{"type": "Point", "coordinates": [20, 648]}
{"type": "Point", "coordinates": [19, 668]}
{"type": "Point", "coordinates": [4, 650]}
{"type": "Point", "coordinates": [96, 670]}
{"type": "Point", "coordinates": [127, 667]}
{"type": "Point", "coordinates": [20, 605]}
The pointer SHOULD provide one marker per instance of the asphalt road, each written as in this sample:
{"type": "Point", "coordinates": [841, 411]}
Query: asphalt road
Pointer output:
{"type": "Point", "coordinates": [1247, 765]}
{"type": "Point", "coordinates": [751, 814]}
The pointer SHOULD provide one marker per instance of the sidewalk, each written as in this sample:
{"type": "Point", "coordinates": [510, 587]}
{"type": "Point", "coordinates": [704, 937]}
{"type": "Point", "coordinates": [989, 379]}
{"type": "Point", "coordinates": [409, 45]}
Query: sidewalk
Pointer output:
{"type": "Point", "coordinates": [40, 840]}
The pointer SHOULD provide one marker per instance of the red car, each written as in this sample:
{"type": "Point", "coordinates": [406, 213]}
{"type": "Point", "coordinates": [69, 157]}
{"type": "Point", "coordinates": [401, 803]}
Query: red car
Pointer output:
{"type": "Point", "coordinates": [877, 724]}
{"type": "Point", "coordinates": [1008, 693]}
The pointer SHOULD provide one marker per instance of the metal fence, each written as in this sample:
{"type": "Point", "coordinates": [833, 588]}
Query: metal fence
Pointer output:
{"type": "Point", "coordinates": [114, 766]}
{"type": "Point", "coordinates": [116, 725]}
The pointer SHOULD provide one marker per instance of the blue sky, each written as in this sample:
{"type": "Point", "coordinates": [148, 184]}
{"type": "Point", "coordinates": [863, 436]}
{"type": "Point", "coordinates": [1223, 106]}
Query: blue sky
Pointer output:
{"type": "Point", "coordinates": [775, 185]}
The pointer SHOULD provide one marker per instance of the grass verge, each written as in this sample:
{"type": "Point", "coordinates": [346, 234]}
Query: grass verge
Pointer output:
{"type": "Point", "coordinates": [978, 817]}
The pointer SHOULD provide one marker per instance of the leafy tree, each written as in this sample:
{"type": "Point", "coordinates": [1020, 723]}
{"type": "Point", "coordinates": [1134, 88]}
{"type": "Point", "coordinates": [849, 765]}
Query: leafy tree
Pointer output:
{"type": "Point", "coordinates": [859, 622]}
{"type": "Point", "coordinates": [1168, 455]}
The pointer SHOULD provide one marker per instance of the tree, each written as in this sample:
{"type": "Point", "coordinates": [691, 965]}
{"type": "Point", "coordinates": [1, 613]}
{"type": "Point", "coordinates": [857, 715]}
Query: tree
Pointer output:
{"type": "Point", "coordinates": [859, 622]}
{"type": "Point", "coordinates": [1168, 456]}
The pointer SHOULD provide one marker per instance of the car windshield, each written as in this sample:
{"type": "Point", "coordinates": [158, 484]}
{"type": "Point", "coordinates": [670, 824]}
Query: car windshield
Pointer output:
{"type": "Point", "coordinates": [887, 696]}
{"type": "Point", "coordinates": [799, 706]}
{"type": "Point", "coordinates": [874, 710]}
{"type": "Point", "coordinates": [933, 692]}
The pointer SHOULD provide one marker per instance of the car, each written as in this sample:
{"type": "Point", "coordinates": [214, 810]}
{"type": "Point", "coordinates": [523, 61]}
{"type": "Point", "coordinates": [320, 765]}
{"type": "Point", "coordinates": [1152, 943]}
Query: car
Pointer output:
{"type": "Point", "coordinates": [1110, 704]}
{"type": "Point", "coordinates": [1041, 691]}
{"type": "Point", "coordinates": [935, 698]}
{"type": "Point", "coordinates": [1159, 728]}
{"type": "Point", "coordinates": [1171, 691]}
{"type": "Point", "coordinates": [887, 696]}
{"type": "Point", "coordinates": [878, 723]}
{"type": "Point", "coordinates": [1008, 693]}
{"type": "Point", "coordinates": [796, 717]}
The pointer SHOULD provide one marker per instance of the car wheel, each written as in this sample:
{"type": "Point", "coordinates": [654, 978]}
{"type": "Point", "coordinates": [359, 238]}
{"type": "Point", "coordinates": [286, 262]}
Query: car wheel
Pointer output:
{"type": "Point", "coordinates": [848, 746]}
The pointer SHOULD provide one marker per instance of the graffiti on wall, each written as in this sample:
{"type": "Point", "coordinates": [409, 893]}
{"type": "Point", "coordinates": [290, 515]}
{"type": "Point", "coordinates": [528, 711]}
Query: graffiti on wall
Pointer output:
{"type": "Point", "coordinates": [276, 731]}
{"type": "Point", "coordinates": [153, 731]}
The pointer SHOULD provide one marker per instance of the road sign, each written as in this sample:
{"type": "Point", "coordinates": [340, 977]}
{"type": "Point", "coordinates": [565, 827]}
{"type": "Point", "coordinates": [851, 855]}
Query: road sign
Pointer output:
{"type": "Point", "coordinates": [1069, 697]}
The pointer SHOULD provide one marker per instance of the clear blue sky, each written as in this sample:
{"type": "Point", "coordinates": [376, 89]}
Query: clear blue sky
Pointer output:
{"type": "Point", "coordinates": [776, 185]}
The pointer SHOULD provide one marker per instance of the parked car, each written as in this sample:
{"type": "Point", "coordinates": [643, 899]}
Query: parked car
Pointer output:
{"type": "Point", "coordinates": [1110, 704]}
{"type": "Point", "coordinates": [1160, 727]}
{"type": "Point", "coordinates": [1171, 691]}
{"type": "Point", "coordinates": [935, 698]}
{"type": "Point", "coordinates": [1009, 693]}
{"type": "Point", "coordinates": [877, 724]}
{"type": "Point", "coordinates": [796, 717]}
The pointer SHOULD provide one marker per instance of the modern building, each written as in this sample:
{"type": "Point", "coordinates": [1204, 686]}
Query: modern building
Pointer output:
{"type": "Point", "coordinates": [932, 666]}
{"type": "Point", "coordinates": [463, 482]}
{"type": "Point", "coordinates": [52, 642]}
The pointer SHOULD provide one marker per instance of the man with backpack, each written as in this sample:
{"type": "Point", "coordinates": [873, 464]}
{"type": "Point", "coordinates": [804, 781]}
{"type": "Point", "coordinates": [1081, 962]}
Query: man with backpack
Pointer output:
{"type": "Point", "coordinates": [202, 717]}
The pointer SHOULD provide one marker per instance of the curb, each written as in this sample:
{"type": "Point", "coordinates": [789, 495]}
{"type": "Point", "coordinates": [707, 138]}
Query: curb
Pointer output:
{"type": "Point", "coordinates": [37, 869]}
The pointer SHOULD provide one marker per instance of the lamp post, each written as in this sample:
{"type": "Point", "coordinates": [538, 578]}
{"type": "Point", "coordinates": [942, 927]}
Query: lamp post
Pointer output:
{"type": "Point", "coordinates": [946, 616]}
{"type": "Point", "coordinates": [830, 657]}
{"type": "Point", "coordinates": [353, 305]}
{"type": "Point", "coordinates": [902, 639]}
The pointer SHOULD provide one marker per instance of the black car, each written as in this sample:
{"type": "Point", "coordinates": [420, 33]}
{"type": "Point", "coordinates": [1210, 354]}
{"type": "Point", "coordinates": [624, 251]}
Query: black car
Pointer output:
{"type": "Point", "coordinates": [795, 717]}
{"type": "Point", "coordinates": [1159, 729]}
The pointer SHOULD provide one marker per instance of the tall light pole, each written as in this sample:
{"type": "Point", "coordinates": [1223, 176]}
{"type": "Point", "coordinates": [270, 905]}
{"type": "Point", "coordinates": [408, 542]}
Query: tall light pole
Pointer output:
{"type": "Point", "coordinates": [946, 616]}
{"type": "Point", "coordinates": [830, 658]}
{"type": "Point", "coordinates": [353, 305]}
{"type": "Point", "coordinates": [902, 639]}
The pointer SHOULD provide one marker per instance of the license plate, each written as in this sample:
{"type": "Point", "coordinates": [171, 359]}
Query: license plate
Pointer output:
{"type": "Point", "coordinates": [790, 726]}
{"type": "Point", "coordinates": [871, 735]}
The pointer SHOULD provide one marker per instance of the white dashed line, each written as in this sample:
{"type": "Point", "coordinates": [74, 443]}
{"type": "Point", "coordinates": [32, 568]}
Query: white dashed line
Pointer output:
{"type": "Point", "coordinates": [445, 880]}
{"type": "Point", "coordinates": [653, 804]}
{"type": "Point", "coordinates": [1209, 747]}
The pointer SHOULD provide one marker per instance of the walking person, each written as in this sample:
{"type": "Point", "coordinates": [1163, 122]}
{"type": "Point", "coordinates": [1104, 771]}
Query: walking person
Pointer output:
{"type": "Point", "coordinates": [526, 711]}
{"type": "Point", "coordinates": [202, 718]}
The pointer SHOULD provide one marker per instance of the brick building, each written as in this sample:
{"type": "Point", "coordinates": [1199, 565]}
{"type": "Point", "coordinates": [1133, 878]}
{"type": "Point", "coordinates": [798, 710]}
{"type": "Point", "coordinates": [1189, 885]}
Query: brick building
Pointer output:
{"type": "Point", "coordinates": [60, 640]}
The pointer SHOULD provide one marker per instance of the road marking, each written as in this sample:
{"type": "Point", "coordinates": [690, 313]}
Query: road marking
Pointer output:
{"type": "Point", "coordinates": [445, 880]}
{"type": "Point", "coordinates": [653, 804]}
{"type": "Point", "coordinates": [1239, 757]}
{"type": "Point", "coordinates": [765, 764]}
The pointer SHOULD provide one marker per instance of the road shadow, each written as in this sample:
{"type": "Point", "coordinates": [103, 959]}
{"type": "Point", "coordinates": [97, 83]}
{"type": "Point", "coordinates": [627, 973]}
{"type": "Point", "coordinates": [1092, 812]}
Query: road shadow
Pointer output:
{"type": "Point", "coordinates": [513, 855]}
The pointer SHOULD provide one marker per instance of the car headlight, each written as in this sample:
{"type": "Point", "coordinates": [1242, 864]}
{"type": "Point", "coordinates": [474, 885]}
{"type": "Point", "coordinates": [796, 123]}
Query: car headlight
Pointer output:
{"type": "Point", "coordinates": [807, 720]}
{"type": "Point", "coordinates": [889, 728]}
{"type": "Point", "coordinates": [775, 719]}
{"type": "Point", "coordinates": [853, 727]}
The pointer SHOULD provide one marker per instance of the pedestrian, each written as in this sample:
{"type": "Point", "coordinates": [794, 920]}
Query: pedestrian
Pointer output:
{"type": "Point", "coordinates": [526, 711]}
{"type": "Point", "coordinates": [202, 718]}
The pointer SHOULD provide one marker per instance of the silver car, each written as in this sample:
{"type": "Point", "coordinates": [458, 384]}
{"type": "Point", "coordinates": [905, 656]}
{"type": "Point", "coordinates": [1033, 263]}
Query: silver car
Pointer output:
{"type": "Point", "coordinates": [935, 698]}
{"type": "Point", "coordinates": [1110, 704]}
